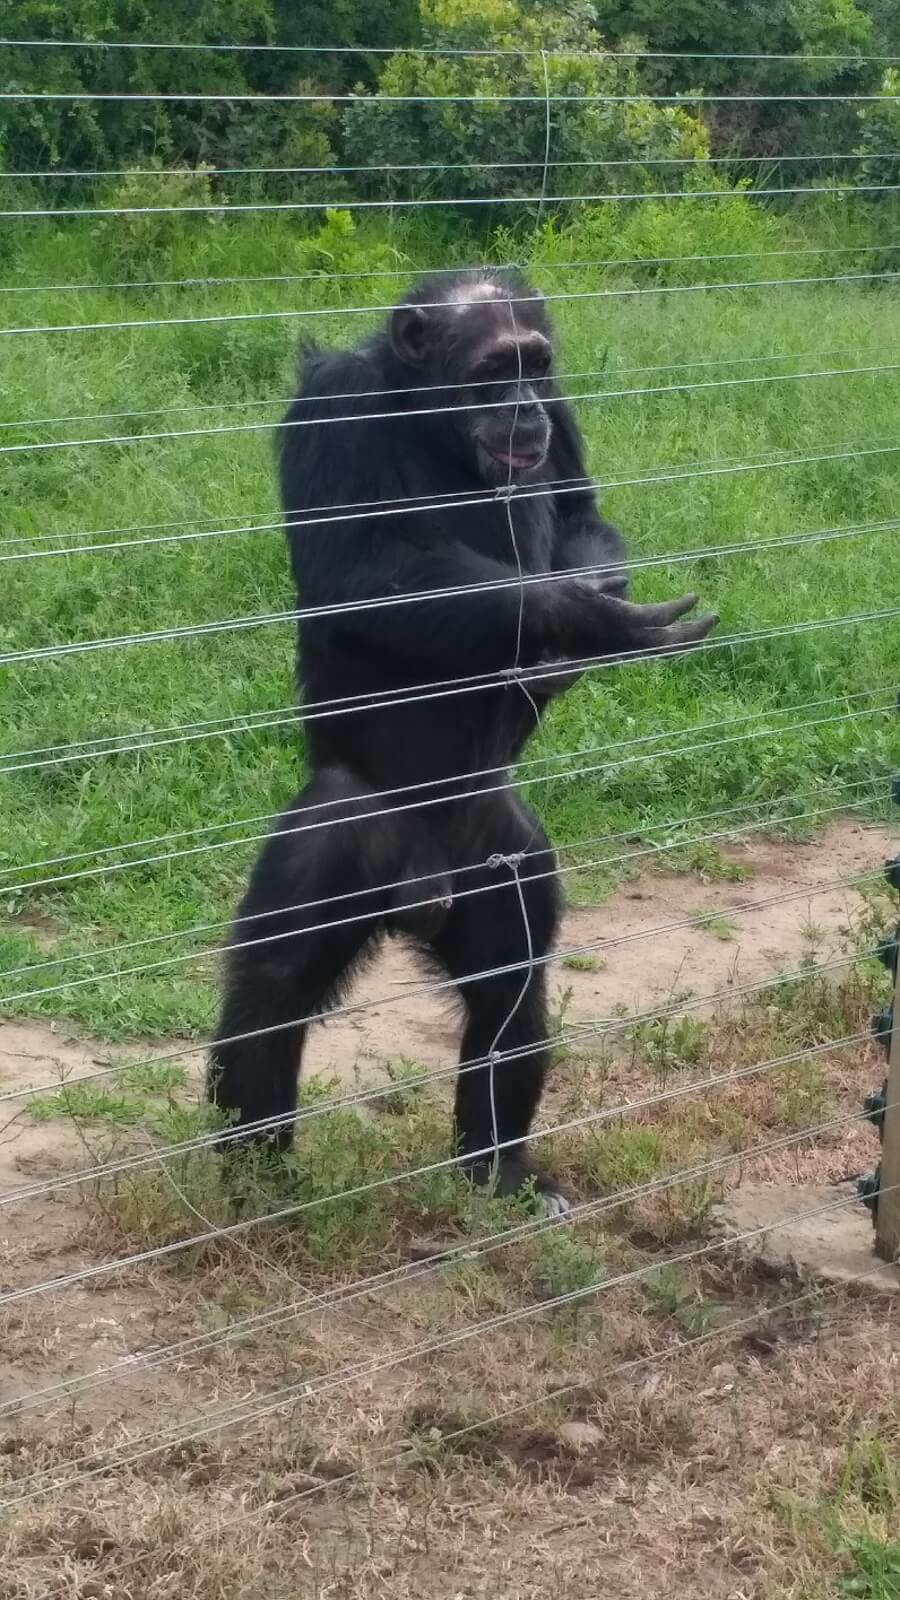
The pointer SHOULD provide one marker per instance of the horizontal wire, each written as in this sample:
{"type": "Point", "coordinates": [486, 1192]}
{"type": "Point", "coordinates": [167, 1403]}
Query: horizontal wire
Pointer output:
{"type": "Point", "coordinates": [555, 488]}
{"type": "Point", "coordinates": [486, 681]}
{"type": "Point", "coordinates": [447, 501]}
{"type": "Point", "coordinates": [330, 900]}
{"type": "Point", "coordinates": [614, 197]}
{"type": "Point", "coordinates": [378, 394]}
{"type": "Point", "coordinates": [717, 466]}
{"type": "Point", "coordinates": [269, 816]}
{"type": "Point", "coordinates": [431, 799]}
{"type": "Point", "coordinates": [604, 1028]}
{"type": "Point", "coordinates": [802, 57]}
{"type": "Point", "coordinates": [94, 747]}
{"type": "Point", "coordinates": [630, 391]}
{"type": "Point", "coordinates": [442, 166]}
{"type": "Point", "coordinates": [317, 97]}
{"type": "Point", "coordinates": [315, 516]}
{"type": "Point", "coordinates": [293, 1311]}
{"type": "Point", "coordinates": [576, 1034]}
{"type": "Point", "coordinates": [182, 833]}
{"type": "Point", "coordinates": [330, 923]}
{"type": "Point", "coordinates": [175, 1247]}
{"type": "Point", "coordinates": [380, 602]}
{"type": "Point", "coordinates": [440, 500]}
{"type": "Point", "coordinates": [335, 170]}
{"type": "Point", "coordinates": [615, 744]}
{"type": "Point", "coordinates": [251, 1409]}
{"type": "Point", "coordinates": [416, 990]}
{"type": "Point", "coordinates": [621, 1369]}
{"type": "Point", "coordinates": [409, 270]}
{"type": "Point", "coordinates": [288, 400]}
{"type": "Point", "coordinates": [106, 744]}
{"type": "Point", "coordinates": [300, 313]}
{"type": "Point", "coordinates": [650, 475]}
{"type": "Point", "coordinates": [426, 388]}
{"type": "Point", "coordinates": [681, 842]}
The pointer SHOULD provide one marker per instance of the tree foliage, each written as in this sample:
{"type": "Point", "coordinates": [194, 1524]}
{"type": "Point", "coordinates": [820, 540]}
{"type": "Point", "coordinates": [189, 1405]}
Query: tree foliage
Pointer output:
{"type": "Point", "coordinates": [487, 148]}
{"type": "Point", "coordinates": [720, 47]}
{"type": "Point", "coordinates": [550, 58]}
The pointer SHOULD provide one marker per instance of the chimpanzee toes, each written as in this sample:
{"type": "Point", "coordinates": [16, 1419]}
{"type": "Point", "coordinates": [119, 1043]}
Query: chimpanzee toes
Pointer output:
{"type": "Point", "coordinates": [515, 1175]}
{"type": "Point", "coordinates": [552, 1203]}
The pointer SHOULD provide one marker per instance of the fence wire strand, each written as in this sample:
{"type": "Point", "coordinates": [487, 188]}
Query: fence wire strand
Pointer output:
{"type": "Point", "coordinates": [411, 270]}
{"type": "Point", "coordinates": [520, 53]}
{"type": "Point", "coordinates": [426, 801]}
{"type": "Point", "coordinates": [303, 313]}
{"type": "Point", "coordinates": [252, 1408]}
{"type": "Point", "coordinates": [470, 1248]}
{"type": "Point", "coordinates": [246, 1412]}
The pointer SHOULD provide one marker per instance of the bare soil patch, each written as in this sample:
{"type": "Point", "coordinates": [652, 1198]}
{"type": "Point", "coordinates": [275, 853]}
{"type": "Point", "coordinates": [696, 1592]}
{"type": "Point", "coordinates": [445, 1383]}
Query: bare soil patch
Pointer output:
{"type": "Point", "coordinates": [649, 1439]}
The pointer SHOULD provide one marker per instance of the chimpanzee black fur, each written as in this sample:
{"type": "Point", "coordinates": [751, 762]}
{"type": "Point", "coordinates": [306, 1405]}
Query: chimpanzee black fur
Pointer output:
{"type": "Point", "coordinates": [396, 460]}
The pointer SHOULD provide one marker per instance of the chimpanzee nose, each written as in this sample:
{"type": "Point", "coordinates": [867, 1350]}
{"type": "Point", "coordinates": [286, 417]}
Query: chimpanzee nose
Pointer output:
{"type": "Point", "coordinates": [531, 424]}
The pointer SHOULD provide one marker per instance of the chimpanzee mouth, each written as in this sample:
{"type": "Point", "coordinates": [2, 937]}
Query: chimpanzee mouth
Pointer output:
{"type": "Point", "coordinates": [520, 461]}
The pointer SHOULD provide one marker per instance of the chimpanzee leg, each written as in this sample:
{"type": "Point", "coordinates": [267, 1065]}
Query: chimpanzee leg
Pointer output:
{"type": "Point", "coordinates": [514, 920]}
{"type": "Point", "coordinates": [291, 958]}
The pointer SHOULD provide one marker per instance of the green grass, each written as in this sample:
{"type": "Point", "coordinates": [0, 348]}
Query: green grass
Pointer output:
{"type": "Point", "coordinates": [85, 806]}
{"type": "Point", "coordinates": [877, 1574]}
{"type": "Point", "coordinates": [580, 963]}
{"type": "Point", "coordinates": [862, 1521]}
{"type": "Point", "coordinates": [717, 925]}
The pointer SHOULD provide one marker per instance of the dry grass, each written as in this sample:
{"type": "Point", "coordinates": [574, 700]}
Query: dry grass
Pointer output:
{"type": "Point", "coordinates": [676, 1431]}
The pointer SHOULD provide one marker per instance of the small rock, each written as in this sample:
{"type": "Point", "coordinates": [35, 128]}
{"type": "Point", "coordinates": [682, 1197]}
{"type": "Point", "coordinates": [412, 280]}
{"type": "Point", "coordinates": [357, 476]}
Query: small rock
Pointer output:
{"type": "Point", "coordinates": [580, 1435]}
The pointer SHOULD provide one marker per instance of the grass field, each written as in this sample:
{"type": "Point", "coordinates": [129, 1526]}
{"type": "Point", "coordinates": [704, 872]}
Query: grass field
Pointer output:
{"type": "Point", "coordinates": [203, 376]}
{"type": "Point", "coordinates": [565, 1451]}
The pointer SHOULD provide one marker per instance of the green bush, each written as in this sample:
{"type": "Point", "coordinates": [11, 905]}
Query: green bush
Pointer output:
{"type": "Point", "coordinates": [481, 144]}
{"type": "Point", "coordinates": [879, 143]}
{"type": "Point", "coordinates": [724, 37]}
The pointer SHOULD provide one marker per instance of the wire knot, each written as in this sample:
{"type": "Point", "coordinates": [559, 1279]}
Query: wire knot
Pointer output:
{"type": "Point", "coordinates": [512, 861]}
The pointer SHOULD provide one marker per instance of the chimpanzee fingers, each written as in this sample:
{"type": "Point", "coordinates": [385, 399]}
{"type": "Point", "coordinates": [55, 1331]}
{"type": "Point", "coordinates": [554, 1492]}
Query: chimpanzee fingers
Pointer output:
{"type": "Point", "coordinates": [644, 617]}
{"type": "Point", "coordinates": [682, 635]}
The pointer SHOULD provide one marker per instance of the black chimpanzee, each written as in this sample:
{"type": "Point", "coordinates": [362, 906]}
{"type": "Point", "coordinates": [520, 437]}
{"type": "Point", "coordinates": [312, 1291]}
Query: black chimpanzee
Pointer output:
{"type": "Point", "coordinates": [452, 464]}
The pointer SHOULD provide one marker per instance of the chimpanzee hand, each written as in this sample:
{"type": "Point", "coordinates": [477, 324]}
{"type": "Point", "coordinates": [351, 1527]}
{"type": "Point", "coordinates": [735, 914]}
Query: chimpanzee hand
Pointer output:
{"type": "Point", "coordinates": [624, 627]}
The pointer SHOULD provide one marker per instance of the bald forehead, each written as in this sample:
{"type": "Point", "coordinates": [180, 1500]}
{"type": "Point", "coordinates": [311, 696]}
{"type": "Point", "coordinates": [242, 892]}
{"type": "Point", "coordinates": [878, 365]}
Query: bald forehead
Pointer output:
{"type": "Point", "coordinates": [467, 298]}
{"type": "Point", "coordinates": [462, 295]}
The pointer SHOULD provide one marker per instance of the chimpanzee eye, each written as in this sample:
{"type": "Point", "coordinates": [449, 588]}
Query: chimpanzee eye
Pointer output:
{"type": "Point", "coordinates": [496, 369]}
{"type": "Point", "coordinates": [538, 363]}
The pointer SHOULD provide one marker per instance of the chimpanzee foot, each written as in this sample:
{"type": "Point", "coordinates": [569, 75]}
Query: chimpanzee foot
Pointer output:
{"type": "Point", "coordinates": [515, 1175]}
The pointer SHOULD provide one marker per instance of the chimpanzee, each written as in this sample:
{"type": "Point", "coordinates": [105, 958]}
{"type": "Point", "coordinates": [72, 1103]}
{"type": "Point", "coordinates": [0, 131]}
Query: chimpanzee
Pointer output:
{"type": "Point", "coordinates": [436, 461]}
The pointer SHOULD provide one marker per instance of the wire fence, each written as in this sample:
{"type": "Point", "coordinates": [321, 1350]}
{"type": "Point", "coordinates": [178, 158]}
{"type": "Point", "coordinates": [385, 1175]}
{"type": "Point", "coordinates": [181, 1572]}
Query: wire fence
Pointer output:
{"type": "Point", "coordinates": [139, 782]}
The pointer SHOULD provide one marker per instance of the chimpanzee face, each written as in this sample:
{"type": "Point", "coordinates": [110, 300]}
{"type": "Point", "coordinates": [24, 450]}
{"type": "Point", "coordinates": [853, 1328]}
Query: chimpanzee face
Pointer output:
{"type": "Point", "coordinates": [490, 351]}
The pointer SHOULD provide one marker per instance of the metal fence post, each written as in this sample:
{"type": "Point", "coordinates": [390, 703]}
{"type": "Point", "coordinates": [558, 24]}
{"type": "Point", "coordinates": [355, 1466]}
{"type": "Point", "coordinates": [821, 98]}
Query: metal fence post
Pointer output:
{"type": "Point", "coordinates": [887, 1217]}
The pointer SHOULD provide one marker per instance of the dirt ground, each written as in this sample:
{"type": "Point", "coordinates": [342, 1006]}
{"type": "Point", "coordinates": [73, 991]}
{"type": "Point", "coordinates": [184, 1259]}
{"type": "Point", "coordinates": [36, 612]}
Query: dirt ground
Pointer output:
{"type": "Point", "coordinates": [671, 1477]}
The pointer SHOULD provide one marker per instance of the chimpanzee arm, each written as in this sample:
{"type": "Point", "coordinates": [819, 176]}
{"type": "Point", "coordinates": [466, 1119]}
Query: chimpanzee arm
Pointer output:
{"type": "Point", "coordinates": [351, 564]}
{"type": "Point", "coordinates": [584, 540]}
{"type": "Point", "coordinates": [495, 622]}
{"type": "Point", "coordinates": [342, 447]}
{"type": "Point", "coordinates": [464, 611]}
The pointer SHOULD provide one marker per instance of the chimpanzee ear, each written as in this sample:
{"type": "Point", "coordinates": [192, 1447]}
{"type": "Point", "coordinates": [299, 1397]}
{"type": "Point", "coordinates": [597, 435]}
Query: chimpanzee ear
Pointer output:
{"type": "Point", "coordinates": [409, 334]}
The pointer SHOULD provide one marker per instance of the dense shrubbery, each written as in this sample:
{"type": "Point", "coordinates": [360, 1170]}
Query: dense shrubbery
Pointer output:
{"type": "Point", "coordinates": [539, 43]}
{"type": "Point", "coordinates": [466, 136]}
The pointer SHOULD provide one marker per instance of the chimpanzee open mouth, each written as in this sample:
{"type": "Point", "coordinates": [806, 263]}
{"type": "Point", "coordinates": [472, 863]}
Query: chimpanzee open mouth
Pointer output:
{"type": "Point", "coordinates": [522, 461]}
